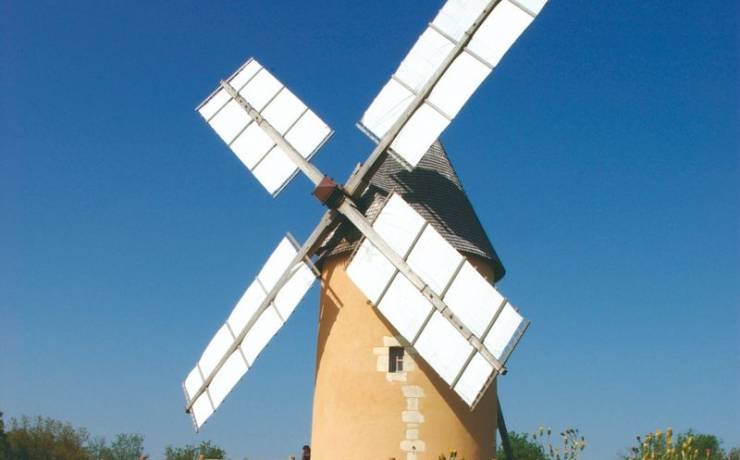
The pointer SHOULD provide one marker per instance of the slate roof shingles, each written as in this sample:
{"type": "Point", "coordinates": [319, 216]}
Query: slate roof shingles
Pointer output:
{"type": "Point", "coordinates": [434, 191]}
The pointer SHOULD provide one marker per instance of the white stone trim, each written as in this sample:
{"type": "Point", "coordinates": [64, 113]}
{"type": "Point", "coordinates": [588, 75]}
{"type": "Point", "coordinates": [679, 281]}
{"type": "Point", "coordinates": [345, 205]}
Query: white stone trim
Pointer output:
{"type": "Point", "coordinates": [411, 415]}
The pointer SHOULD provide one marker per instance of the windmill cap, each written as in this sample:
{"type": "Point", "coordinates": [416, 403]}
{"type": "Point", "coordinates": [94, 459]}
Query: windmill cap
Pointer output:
{"type": "Point", "coordinates": [434, 190]}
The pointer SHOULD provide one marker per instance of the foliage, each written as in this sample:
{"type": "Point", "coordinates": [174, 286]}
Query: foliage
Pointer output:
{"type": "Point", "coordinates": [191, 452]}
{"type": "Point", "coordinates": [685, 446]}
{"type": "Point", "coordinates": [541, 446]}
{"type": "Point", "coordinates": [123, 447]}
{"type": "Point", "coordinates": [127, 447]}
{"type": "Point", "coordinates": [706, 444]}
{"type": "Point", "coordinates": [41, 438]}
{"type": "Point", "coordinates": [523, 448]}
{"type": "Point", "coordinates": [45, 438]}
{"type": "Point", "coordinates": [4, 447]}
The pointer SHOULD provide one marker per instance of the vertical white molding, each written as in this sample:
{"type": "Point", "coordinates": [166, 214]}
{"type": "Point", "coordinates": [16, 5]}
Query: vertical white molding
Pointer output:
{"type": "Point", "coordinates": [411, 414]}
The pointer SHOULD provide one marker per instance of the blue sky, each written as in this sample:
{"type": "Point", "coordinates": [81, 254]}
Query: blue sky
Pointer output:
{"type": "Point", "coordinates": [601, 157]}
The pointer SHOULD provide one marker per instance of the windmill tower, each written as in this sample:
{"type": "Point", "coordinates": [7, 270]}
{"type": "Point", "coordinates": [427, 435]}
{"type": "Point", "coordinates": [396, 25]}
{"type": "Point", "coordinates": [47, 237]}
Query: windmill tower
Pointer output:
{"type": "Point", "coordinates": [414, 413]}
{"type": "Point", "coordinates": [412, 333]}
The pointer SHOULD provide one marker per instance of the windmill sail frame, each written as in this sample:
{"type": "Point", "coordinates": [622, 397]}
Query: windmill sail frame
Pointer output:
{"type": "Point", "coordinates": [269, 284]}
{"type": "Point", "coordinates": [275, 135]}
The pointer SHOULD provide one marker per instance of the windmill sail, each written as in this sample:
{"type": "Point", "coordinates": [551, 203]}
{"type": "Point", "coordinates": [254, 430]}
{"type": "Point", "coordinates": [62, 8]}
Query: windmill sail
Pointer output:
{"type": "Point", "coordinates": [451, 58]}
{"type": "Point", "coordinates": [478, 305]}
{"type": "Point", "coordinates": [455, 319]}
{"type": "Point", "coordinates": [259, 314]}
{"type": "Point", "coordinates": [247, 134]}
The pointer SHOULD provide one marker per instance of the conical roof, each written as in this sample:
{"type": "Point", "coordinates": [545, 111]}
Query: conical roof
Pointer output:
{"type": "Point", "coordinates": [434, 191]}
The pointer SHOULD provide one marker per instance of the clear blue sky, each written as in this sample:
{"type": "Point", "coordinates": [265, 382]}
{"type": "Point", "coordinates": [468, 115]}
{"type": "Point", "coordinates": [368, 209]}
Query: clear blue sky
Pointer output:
{"type": "Point", "coordinates": [601, 156]}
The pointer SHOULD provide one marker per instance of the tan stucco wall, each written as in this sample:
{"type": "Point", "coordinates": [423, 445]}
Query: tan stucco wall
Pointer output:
{"type": "Point", "coordinates": [357, 412]}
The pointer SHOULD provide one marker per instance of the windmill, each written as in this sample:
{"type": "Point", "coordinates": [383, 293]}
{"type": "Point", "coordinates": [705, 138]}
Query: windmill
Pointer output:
{"type": "Point", "coordinates": [449, 332]}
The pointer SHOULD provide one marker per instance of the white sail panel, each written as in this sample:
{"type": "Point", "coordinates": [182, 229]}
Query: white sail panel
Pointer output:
{"type": "Point", "coordinates": [465, 292]}
{"type": "Point", "coordinates": [308, 134]}
{"type": "Point", "coordinates": [256, 318]}
{"type": "Point", "coordinates": [422, 129]}
{"type": "Point", "coordinates": [442, 346]}
{"type": "Point", "coordinates": [201, 410]}
{"type": "Point", "coordinates": [456, 16]}
{"type": "Point", "coordinates": [505, 332]}
{"type": "Point", "coordinates": [474, 379]}
{"type": "Point", "coordinates": [261, 89]}
{"type": "Point", "coordinates": [442, 70]}
{"type": "Point", "coordinates": [456, 86]}
{"type": "Point", "coordinates": [266, 114]}
{"type": "Point", "coordinates": [398, 224]}
{"type": "Point", "coordinates": [277, 263]}
{"type": "Point", "coordinates": [246, 307]}
{"type": "Point", "coordinates": [473, 299]}
{"type": "Point", "coordinates": [284, 111]}
{"type": "Point", "coordinates": [260, 334]}
{"type": "Point", "coordinates": [424, 59]}
{"type": "Point", "coordinates": [252, 145]}
{"type": "Point", "coordinates": [532, 6]}
{"type": "Point", "coordinates": [230, 121]}
{"type": "Point", "coordinates": [227, 377]}
{"type": "Point", "coordinates": [215, 350]}
{"type": "Point", "coordinates": [275, 170]}
{"type": "Point", "coordinates": [370, 271]}
{"type": "Point", "coordinates": [214, 104]}
{"type": "Point", "coordinates": [386, 109]}
{"type": "Point", "coordinates": [192, 383]}
{"type": "Point", "coordinates": [245, 74]}
{"type": "Point", "coordinates": [499, 31]}
{"type": "Point", "coordinates": [294, 290]}
{"type": "Point", "coordinates": [434, 259]}
{"type": "Point", "coordinates": [405, 307]}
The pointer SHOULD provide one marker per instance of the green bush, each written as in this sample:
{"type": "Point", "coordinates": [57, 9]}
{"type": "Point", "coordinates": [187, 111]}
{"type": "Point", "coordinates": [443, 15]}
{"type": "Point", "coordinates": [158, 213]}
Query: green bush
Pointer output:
{"type": "Point", "coordinates": [191, 452]}
{"type": "Point", "coordinates": [42, 438]}
{"type": "Point", "coordinates": [523, 447]}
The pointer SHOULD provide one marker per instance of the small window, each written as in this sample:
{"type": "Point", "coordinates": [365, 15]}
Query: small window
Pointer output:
{"type": "Point", "coordinates": [395, 359]}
